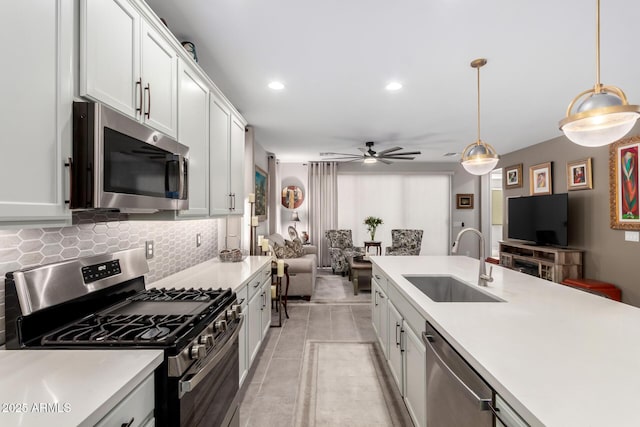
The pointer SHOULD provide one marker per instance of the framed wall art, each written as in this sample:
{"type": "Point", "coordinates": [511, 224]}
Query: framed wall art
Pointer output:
{"type": "Point", "coordinates": [261, 194]}
{"type": "Point", "coordinates": [623, 184]}
{"type": "Point", "coordinates": [292, 197]}
{"type": "Point", "coordinates": [540, 179]}
{"type": "Point", "coordinates": [513, 176]}
{"type": "Point", "coordinates": [464, 201]}
{"type": "Point", "coordinates": [579, 175]}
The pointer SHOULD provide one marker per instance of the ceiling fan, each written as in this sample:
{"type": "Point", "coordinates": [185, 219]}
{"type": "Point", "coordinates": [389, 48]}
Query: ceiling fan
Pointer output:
{"type": "Point", "coordinates": [369, 155]}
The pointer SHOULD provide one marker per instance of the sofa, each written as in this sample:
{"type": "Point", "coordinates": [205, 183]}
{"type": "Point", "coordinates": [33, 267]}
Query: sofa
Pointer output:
{"type": "Point", "coordinates": [302, 269]}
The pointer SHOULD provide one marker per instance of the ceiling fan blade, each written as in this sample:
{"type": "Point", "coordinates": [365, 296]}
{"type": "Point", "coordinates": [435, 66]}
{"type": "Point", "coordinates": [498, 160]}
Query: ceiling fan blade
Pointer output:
{"type": "Point", "coordinates": [388, 150]}
{"type": "Point", "coordinates": [346, 158]}
{"type": "Point", "coordinates": [386, 162]}
{"type": "Point", "coordinates": [340, 154]}
{"type": "Point", "coordinates": [407, 153]}
{"type": "Point", "coordinates": [398, 158]}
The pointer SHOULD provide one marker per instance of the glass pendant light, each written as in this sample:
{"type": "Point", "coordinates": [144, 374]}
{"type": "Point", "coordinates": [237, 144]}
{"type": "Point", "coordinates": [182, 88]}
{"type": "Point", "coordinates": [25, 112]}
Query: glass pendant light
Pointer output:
{"type": "Point", "coordinates": [479, 158]}
{"type": "Point", "coordinates": [603, 114]}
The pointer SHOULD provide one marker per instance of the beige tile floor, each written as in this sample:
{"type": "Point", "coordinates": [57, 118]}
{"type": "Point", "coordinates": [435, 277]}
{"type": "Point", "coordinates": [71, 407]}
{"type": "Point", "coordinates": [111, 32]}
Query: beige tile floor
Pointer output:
{"type": "Point", "coordinates": [268, 396]}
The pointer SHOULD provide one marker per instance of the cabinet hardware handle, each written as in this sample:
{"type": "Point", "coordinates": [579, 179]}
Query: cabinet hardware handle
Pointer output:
{"type": "Point", "coordinates": [397, 342]}
{"type": "Point", "coordinates": [375, 298]}
{"type": "Point", "coordinates": [148, 90]}
{"type": "Point", "coordinates": [140, 100]}
{"type": "Point", "coordinates": [241, 301]}
{"type": "Point", "coordinates": [257, 284]}
{"type": "Point", "coordinates": [377, 276]}
{"type": "Point", "coordinates": [381, 296]}
{"type": "Point", "coordinates": [230, 201]}
{"type": "Point", "coordinates": [129, 424]}
{"type": "Point", "coordinates": [233, 201]}
{"type": "Point", "coordinates": [403, 345]}
{"type": "Point", "coordinates": [69, 164]}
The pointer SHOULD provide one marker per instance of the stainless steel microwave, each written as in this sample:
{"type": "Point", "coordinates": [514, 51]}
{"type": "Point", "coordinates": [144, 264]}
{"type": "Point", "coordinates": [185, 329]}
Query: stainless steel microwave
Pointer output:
{"type": "Point", "coordinates": [118, 163]}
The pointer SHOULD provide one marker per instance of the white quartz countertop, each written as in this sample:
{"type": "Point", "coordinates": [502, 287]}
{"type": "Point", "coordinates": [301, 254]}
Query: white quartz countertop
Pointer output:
{"type": "Point", "coordinates": [214, 274]}
{"type": "Point", "coordinates": [68, 387]}
{"type": "Point", "coordinates": [561, 357]}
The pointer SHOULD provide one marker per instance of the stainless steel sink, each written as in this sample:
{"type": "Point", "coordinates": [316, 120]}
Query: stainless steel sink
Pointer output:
{"type": "Point", "coordinates": [449, 289]}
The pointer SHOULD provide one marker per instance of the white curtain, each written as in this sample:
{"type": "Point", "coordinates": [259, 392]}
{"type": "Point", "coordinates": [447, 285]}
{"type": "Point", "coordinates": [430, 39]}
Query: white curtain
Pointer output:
{"type": "Point", "coordinates": [274, 194]}
{"type": "Point", "coordinates": [416, 201]}
{"type": "Point", "coordinates": [323, 206]}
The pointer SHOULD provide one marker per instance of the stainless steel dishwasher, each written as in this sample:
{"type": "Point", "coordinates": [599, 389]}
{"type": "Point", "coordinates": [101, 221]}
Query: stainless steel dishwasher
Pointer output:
{"type": "Point", "coordinates": [456, 394]}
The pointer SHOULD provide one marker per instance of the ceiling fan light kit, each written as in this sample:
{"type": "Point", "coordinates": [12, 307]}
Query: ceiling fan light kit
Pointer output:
{"type": "Point", "coordinates": [479, 158]}
{"type": "Point", "coordinates": [603, 114]}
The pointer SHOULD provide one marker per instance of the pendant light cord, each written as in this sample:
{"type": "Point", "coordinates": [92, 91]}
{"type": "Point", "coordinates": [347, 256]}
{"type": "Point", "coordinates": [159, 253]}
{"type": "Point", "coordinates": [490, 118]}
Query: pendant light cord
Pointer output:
{"type": "Point", "coordinates": [479, 104]}
{"type": "Point", "coordinates": [597, 88]}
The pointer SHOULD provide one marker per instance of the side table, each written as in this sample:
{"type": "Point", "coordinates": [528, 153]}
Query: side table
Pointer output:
{"type": "Point", "coordinates": [278, 282]}
{"type": "Point", "coordinates": [373, 244]}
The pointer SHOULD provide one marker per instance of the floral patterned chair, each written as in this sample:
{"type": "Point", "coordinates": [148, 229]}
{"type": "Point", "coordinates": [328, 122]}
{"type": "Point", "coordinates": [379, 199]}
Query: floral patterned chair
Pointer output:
{"type": "Point", "coordinates": [340, 248]}
{"type": "Point", "coordinates": [405, 242]}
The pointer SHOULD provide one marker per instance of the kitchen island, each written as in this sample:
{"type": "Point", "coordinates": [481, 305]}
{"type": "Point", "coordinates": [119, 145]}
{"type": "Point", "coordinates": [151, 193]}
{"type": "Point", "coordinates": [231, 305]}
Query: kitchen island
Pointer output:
{"type": "Point", "coordinates": [558, 356]}
{"type": "Point", "coordinates": [69, 387]}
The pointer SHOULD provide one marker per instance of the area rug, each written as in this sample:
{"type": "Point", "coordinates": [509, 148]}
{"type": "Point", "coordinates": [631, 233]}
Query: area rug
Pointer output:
{"type": "Point", "coordinates": [336, 289]}
{"type": "Point", "coordinates": [347, 384]}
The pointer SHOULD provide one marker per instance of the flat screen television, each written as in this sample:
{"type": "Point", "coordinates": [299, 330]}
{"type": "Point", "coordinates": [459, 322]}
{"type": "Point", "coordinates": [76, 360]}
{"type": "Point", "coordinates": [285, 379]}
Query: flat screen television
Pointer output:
{"type": "Point", "coordinates": [539, 219]}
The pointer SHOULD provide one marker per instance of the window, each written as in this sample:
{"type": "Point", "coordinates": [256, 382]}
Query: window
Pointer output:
{"type": "Point", "coordinates": [402, 201]}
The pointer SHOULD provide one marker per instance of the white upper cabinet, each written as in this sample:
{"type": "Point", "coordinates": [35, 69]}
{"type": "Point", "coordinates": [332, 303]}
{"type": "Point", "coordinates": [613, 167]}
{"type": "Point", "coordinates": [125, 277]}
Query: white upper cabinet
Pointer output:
{"type": "Point", "coordinates": [193, 131]}
{"type": "Point", "coordinates": [126, 64]}
{"type": "Point", "coordinates": [227, 159]}
{"type": "Point", "coordinates": [35, 112]}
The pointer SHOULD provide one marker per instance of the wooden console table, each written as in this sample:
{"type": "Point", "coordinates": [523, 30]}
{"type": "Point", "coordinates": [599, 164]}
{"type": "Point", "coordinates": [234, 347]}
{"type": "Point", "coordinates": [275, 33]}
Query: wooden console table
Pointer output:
{"type": "Point", "coordinates": [546, 262]}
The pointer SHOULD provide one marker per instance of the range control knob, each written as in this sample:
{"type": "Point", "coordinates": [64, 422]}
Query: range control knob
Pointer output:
{"type": "Point", "coordinates": [197, 351]}
{"type": "Point", "coordinates": [231, 315]}
{"type": "Point", "coordinates": [221, 325]}
{"type": "Point", "coordinates": [237, 308]}
{"type": "Point", "coordinates": [206, 340]}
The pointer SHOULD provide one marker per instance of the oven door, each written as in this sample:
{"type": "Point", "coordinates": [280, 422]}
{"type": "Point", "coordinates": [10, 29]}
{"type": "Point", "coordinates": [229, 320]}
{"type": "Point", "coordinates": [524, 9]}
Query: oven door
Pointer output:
{"type": "Point", "coordinates": [209, 395]}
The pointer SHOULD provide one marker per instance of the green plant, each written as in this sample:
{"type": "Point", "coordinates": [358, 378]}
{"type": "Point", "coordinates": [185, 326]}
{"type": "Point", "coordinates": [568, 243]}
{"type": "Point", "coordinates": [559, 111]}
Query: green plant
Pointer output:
{"type": "Point", "coordinates": [372, 222]}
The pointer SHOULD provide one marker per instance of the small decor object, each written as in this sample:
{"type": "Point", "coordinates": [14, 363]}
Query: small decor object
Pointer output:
{"type": "Point", "coordinates": [305, 237]}
{"type": "Point", "coordinates": [624, 210]}
{"type": "Point", "coordinates": [464, 201]}
{"type": "Point", "coordinates": [231, 255]}
{"type": "Point", "coordinates": [191, 48]}
{"type": "Point", "coordinates": [261, 178]}
{"type": "Point", "coordinates": [540, 179]}
{"type": "Point", "coordinates": [292, 197]}
{"type": "Point", "coordinates": [513, 176]}
{"type": "Point", "coordinates": [372, 223]}
{"type": "Point", "coordinates": [579, 175]}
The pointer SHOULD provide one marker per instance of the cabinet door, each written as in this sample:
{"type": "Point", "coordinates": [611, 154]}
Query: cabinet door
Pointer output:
{"type": "Point", "coordinates": [255, 325]}
{"type": "Point", "coordinates": [219, 199]}
{"type": "Point", "coordinates": [379, 316]}
{"type": "Point", "coordinates": [395, 351]}
{"type": "Point", "coordinates": [243, 363]}
{"type": "Point", "coordinates": [415, 395]}
{"type": "Point", "coordinates": [236, 162]}
{"type": "Point", "coordinates": [35, 112]}
{"type": "Point", "coordinates": [193, 131]}
{"type": "Point", "coordinates": [110, 54]}
{"type": "Point", "coordinates": [159, 68]}
{"type": "Point", "coordinates": [266, 307]}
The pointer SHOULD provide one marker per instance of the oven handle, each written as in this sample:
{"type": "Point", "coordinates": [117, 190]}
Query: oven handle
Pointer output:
{"type": "Point", "coordinates": [187, 386]}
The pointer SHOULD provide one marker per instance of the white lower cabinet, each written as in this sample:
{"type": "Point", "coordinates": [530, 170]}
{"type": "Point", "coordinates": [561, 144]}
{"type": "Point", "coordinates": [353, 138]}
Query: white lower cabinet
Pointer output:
{"type": "Point", "coordinates": [258, 317]}
{"type": "Point", "coordinates": [243, 362]}
{"type": "Point", "coordinates": [135, 410]}
{"type": "Point", "coordinates": [407, 361]}
{"type": "Point", "coordinates": [379, 314]}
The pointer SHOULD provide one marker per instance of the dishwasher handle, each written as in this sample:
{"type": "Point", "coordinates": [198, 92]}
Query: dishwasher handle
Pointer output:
{"type": "Point", "coordinates": [484, 404]}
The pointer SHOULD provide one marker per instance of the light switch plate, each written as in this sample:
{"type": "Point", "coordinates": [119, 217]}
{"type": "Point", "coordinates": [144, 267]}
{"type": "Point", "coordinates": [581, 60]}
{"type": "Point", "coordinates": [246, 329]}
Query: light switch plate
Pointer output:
{"type": "Point", "coordinates": [632, 236]}
{"type": "Point", "coordinates": [148, 248]}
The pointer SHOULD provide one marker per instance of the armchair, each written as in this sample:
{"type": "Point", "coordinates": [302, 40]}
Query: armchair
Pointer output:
{"type": "Point", "coordinates": [405, 242]}
{"type": "Point", "coordinates": [340, 247]}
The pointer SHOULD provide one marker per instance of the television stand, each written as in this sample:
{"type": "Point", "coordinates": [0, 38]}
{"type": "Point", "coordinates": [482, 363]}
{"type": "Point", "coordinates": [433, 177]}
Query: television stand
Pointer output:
{"type": "Point", "coordinates": [546, 262]}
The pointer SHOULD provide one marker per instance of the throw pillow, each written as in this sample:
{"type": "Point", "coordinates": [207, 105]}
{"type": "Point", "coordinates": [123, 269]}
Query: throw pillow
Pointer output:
{"type": "Point", "coordinates": [289, 250]}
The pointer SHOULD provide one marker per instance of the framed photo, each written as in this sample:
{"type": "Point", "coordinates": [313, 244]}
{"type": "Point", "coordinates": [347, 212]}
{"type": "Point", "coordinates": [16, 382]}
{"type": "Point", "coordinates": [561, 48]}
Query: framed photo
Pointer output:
{"type": "Point", "coordinates": [540, 179]}
{"type": "Point", "coordinates": [623, 184]}
{"type": "Point", "coordinates": [579, 175]}
{"type": "Point", "coordinates": [261, 191]}
{"type": "Point", "coordinates": [513, 176]}
{"type": "Point", "coordinates": [464, 201]}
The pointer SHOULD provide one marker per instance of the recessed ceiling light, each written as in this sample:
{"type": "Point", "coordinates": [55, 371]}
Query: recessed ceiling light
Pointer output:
{"type": "Point", "coordinates": [276, 86]}
{"type": "Point", "coordinates": [393, 86]}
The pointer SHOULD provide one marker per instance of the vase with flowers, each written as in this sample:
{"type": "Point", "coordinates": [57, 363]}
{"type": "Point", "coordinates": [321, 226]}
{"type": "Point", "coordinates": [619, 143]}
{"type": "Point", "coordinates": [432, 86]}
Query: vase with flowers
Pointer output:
{"type": "Point", "coordinates": [372, 223]}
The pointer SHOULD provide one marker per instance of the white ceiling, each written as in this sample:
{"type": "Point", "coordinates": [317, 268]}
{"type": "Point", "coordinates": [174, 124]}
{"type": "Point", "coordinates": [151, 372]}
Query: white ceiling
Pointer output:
{"type": "Point", "coordinates": [336, 56]}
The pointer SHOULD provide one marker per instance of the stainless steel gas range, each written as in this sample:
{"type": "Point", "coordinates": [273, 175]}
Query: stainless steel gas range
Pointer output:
{"type": "Point", "coordinates": [101, 302]}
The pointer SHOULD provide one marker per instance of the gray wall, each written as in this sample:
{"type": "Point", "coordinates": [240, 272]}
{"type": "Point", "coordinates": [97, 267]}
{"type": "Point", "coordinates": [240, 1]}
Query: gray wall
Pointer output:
{"type": "Point", "coordinates": [608, 257]}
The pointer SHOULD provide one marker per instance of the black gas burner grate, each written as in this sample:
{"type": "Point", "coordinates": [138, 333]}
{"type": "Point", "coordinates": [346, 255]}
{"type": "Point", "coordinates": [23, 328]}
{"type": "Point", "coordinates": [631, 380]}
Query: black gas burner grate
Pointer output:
{"type": "Point", "coordinates": [164, 294]}
{"type": "Point", "coordinates": [122, 330]}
